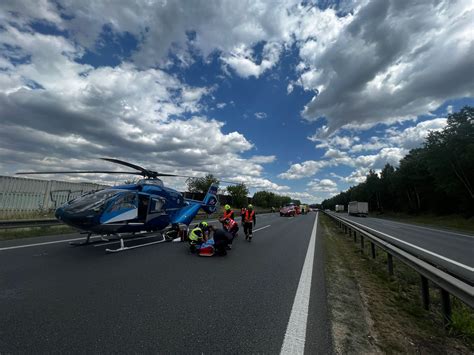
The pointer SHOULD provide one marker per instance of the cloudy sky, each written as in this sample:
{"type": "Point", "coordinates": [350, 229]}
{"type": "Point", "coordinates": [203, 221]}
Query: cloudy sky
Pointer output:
{"type": "Point", "coordinates": [300, 98]}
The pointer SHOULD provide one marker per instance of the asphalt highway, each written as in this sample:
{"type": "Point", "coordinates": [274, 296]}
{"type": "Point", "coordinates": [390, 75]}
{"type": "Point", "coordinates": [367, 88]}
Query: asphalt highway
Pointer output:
{"type": "Point", "coordinates": [452, 251]}
{"type": "Point", "coordinates": [55, 298]}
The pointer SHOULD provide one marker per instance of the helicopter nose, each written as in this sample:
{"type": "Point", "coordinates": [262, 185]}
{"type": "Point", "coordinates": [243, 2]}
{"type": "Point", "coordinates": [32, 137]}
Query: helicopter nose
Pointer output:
{"type": "Point", "coordinates": [84, 220]}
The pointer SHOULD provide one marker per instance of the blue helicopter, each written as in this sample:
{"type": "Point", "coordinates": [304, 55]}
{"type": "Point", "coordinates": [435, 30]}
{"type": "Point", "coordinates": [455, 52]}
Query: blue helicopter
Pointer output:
{"type": "Point", "coordinates": [131, 209]}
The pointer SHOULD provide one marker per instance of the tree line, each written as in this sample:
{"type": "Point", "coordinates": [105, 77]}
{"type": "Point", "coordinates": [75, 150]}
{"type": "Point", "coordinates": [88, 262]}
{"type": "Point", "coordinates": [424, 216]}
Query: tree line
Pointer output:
{"type": "Point", "coordinates": [237, 195]}
{"type": "Point", "coordinates": [436, 178]}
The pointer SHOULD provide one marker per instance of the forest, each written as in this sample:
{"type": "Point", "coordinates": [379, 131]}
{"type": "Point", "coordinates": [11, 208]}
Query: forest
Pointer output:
{"type": "Point", "coordinates": [436, 178]}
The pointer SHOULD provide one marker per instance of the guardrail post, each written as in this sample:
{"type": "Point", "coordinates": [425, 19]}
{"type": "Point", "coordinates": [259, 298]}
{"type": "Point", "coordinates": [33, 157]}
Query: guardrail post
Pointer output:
{"type": "Point", "coordinates": [446, 307]}
{"type": "Point", "coordinates": [355, 237]}
{"type": "Point", "coordinates": [372, 249]}
{"type": "Point", "coordinates": [390, 264]}
{"type": "Point", "coordinates": [362, 244]}
{"type": "Point", "coordinates": [425, 293]}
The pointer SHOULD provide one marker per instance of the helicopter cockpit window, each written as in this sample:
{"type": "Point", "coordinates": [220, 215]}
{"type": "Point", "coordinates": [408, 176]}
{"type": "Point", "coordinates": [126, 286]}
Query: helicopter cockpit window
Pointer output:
{"type": "Point", "coordinates": [156, 205]}
{"type": "Point", "coordinates": [156, 182]}
{"type": "Point", "coordinates": [124, 202]}
{"type": "Point", "coordinates": [91, 201]}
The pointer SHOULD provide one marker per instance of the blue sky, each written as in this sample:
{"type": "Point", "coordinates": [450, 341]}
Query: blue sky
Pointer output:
{"type": "Point", "coordinates": [299, 98]}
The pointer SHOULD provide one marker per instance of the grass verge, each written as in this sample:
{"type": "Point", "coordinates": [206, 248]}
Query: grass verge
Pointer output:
{"type": "Point", "coordinates": [18, 233]}
{"type": "Point", "coordinates": [382, 313]}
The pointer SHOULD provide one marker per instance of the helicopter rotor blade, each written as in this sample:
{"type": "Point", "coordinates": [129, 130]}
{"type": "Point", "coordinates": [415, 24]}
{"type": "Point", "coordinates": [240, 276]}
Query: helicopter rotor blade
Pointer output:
{"type": "Point", "coordinates": [130, 165]}
{"type": "Point", "coordinates": [78, 172]}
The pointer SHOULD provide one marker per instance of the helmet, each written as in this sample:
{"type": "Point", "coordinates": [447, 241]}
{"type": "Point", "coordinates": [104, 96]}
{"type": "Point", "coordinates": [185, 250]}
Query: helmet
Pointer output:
{"type": "Point", "coordinates": [203, 225]}
{"type": "Point", "coordinates": [250, 207]}
{"type": "Point", "coordinates": [227, 207]}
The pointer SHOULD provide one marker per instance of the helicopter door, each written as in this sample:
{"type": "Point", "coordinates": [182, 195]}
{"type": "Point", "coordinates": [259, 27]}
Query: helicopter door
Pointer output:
{"type": "Point", "coordinates": [143, 207]}
{"type": "Point", "coordinates": [123, 208]}
{"type": "Point", "coordinates": [156, 208]}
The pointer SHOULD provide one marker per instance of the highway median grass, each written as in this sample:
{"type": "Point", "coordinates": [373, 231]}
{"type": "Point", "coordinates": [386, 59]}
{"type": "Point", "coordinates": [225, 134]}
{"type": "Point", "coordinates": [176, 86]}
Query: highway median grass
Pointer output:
{"type": "Point", "coordinates": [18, 233]}
{"type": "Point", "coordinates": [392, 306]}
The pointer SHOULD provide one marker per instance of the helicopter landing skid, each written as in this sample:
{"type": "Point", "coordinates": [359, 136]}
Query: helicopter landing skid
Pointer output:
{"type": "Point", "coordinates": [88, 241]}
{"type": "Point", "coordinates": [124, 248]}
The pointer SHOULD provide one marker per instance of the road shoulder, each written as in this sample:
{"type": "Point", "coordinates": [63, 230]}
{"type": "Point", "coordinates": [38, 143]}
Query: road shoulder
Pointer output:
{"type": "Point", "coordinates": [372, 313]}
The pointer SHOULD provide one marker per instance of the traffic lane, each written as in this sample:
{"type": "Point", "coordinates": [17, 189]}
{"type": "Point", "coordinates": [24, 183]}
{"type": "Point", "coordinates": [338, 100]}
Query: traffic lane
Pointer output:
{"type": "Point", "coordinates": [451, 252]}
{"type": "Point", "coordinates": [30, 256]}
{"type": "Point", "coordinates": [104, 320]}
{"type": "Point", "coordinates": [455, 246]}
{"type": "Point", "coordinates": [70, 237]}
{"type": "Point", "coordinates": [156, 298]}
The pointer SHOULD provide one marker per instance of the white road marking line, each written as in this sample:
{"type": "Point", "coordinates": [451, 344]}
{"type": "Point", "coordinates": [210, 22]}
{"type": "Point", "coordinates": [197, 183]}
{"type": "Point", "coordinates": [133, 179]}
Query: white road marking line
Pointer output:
{"type": "Point", "coordinates": [259, 229]}
{"type": "Point", "coordinates": [45, 243]}
{"type": "Point", "coordinates": [471, 269]}
{"type": "Point", "coordinates": [295, 336]}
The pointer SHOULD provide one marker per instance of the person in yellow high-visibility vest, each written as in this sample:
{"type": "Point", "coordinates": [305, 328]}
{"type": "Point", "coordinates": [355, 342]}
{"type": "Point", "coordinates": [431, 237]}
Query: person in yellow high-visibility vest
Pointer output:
{"type": "Point", "coordinates": [198, 235]}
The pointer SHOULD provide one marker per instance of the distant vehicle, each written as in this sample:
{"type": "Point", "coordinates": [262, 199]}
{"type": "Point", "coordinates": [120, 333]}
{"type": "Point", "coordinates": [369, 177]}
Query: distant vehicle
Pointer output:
{"type": "Point", "coordinates": [340, 208]}
{"type": "Point", "coordinates": [358, 208]}
{"type": "Point", "coordinates": [288, 210]}
{"type": "Point", "coordinates": [304, 209]}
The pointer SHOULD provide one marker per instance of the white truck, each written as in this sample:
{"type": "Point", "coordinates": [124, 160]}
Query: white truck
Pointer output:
{"type": "Point", "coordinates": [358, 208]}
{"type": "Point", "coordinates": [340, 208]}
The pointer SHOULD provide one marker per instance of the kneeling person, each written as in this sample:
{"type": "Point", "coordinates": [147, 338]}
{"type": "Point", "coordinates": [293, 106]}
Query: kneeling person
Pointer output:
{"type": "Point", "coordinates": [232, 227]}
{"type": "Point", "coordinates": [222, 239]}
{"type": "Point", "coordinates": [197, 236]}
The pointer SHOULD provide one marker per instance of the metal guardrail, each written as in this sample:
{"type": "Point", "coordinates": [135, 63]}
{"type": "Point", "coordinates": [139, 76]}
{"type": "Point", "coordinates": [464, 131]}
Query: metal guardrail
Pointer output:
{"type": "Point", "coordinates": [447, 283]}
{"type": "Point", "coordinates": [28, 223]}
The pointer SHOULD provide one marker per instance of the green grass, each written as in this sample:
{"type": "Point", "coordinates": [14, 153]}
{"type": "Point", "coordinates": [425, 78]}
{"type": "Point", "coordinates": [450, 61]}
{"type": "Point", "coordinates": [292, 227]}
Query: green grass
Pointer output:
{"type": "Point", "coordinates": [405, 296]}
{"type": "Point", "coordinates": [7, 216]}
{"type": "Point", "coordinates": [18, 233]}
{"type": "Point", "coordinates": [454, 222]}
{"type": "Point", "coordinates": [462, 321]}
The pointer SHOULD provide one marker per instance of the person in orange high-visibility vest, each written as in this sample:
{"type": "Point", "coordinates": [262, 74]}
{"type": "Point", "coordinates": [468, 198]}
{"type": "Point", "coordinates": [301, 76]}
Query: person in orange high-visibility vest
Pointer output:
{"type": "Point", "coordinates": [228, 213]}
{"type": "Point", "coordinates": [249, 220]}
{"type": "Point", "coordinates": [242, 214]}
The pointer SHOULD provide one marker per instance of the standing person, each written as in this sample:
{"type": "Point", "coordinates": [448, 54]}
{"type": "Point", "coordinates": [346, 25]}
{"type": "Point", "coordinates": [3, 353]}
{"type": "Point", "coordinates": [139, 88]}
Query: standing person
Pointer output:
{"type": "Point", "coordinates": [228, 213]}
{"type": "Point", "coordinates": [249, 220]}
{"type": "Point", "coordinates": [242, 214]}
